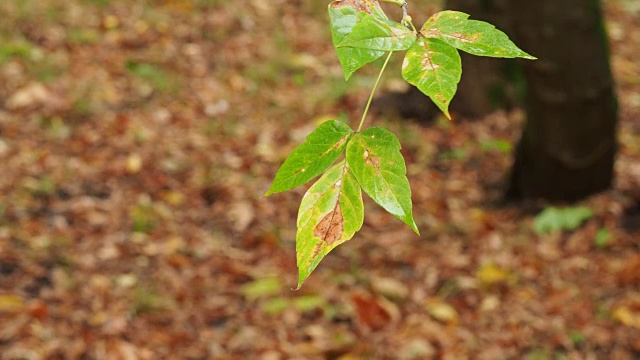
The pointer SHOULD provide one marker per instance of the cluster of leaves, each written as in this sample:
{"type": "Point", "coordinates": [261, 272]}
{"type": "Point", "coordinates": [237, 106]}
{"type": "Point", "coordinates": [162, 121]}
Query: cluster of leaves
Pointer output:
{"type": "Point", "coordinates": [362, 33]}
{"type": "Point", "coordinates": [332, 211]}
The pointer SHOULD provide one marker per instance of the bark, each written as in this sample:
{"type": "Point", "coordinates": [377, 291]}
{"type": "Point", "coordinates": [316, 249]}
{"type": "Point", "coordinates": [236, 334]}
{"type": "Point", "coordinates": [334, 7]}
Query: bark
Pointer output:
{"type": "Point", "coordinates": [568, 144]}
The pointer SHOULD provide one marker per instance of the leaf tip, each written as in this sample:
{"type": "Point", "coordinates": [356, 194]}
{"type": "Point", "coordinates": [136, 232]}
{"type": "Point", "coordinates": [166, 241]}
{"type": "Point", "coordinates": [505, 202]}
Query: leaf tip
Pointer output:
{"type": "Point", "coordinates": [523, 54]}
{"type": "Point", "coordinates": [413, 226]}
{"type": "Point", "coordinates": [301, 278]}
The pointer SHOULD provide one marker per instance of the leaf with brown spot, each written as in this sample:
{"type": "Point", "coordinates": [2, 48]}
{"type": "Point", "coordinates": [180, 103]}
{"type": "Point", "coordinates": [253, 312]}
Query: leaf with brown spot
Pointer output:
{"type": "Point", "coordinates": [434, 67]}
{"type": "Point", "coordinates": [344, 15]}
{"type": "Point", "coordinates": [331, 227]}
{"type": "Point", "coordinates": [472, 36]}
{"type": "Point", "coordinates": [376, 162]}
{"type": "Point", "coordinates": [331, 212]}
{"type": "Point", "coordinates": [372, 160]}
{"type": "Point", "coordinates": [365, 6]}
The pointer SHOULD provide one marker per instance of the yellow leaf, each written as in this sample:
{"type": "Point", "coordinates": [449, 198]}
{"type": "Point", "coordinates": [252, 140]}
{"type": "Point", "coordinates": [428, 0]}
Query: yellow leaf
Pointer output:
{"type": "Point", "coordinates": [111, 22]}
{"type": "Point", "coordinates": [174, 198]}
{"type": "Point", "coordinates": [490, 303]}
{"type": "Point", "coordinates": [11, 303]}
{"type": "Point", "coordinates": [99, 318]}
{"type": "Point", "coordinates": [627, 317]}
{"type": "Point", "coordinates": [134, 163]}
{"type": "Point", "coordinates": [490, 274]}
{"type": "Point", "coordinates": [442, 311]}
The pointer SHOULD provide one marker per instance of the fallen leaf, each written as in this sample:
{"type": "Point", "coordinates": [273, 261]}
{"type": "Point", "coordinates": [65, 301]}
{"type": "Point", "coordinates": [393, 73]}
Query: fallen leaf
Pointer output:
{"type": "Point", "coordinates": [630, 271]}
{"type": "Point", "coordinates": [490, 274]}
{"type": "Point", "coordinates": [442, 311]}
{"type": "Point", "coordinates": [262, 288]}
{"type": "Point", "coordinates": [134, 163]}
{"type": "Point", "coordinates": [242, 214]}
{"type": "Point", "coordinates": [11, 303]}
{"type": "Point", "coordinates": [38, 309]}
{"type": "Point", "coordinates": [390, 288]}
{"type": "Point", "coordinates": [627, 317]}
{"type": "Point", "coordinates": [30, 95]}
{"type": "Point", "coordinates": [373, 312]}
{"type": "Point", "coordinates": [417, 349]}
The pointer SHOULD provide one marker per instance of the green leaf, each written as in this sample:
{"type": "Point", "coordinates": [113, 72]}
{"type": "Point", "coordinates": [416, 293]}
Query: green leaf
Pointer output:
{"type": "Point", "coordinates": [261, 288]}
{"type": "Point", "coordinates": [374, 158]}
{"type": "Point", "coordinates": [331, 212]}
{"type": "Point", "coordinates": [553, 219]}
{"type": "Point", "coordinates": [374, 33]}
{"type": "Point", "coordinates": [602, 237]}
{"type": "Point", "coordinates": [344, 15]}
{"type": "Point", "coordinates": [435, 68]}
{"type": "Point", "coordinates": [496, 144]}
{"type": "Point", "coordinates": [472, 36]}
{"type": "Point", "coordinates": [321, 149]}
{"type": "Point", "coordinates": [276, 305]}
{"type": "Point", "coordinates": [309, 303]}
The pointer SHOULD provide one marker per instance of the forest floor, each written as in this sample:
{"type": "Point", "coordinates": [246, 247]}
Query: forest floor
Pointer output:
{"type": "Point", "coordinates": [136, 141]}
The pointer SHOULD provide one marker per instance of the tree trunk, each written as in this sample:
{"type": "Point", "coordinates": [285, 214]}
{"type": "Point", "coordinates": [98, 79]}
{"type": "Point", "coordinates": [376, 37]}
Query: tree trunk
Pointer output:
{"type": "Point", "coordinates": [568, 144]}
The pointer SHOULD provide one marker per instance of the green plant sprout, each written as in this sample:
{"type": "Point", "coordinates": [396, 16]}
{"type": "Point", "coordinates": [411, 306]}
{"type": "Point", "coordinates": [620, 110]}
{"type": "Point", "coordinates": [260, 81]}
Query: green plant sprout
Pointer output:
{"type": "Point", "coordinates": [332, 211]}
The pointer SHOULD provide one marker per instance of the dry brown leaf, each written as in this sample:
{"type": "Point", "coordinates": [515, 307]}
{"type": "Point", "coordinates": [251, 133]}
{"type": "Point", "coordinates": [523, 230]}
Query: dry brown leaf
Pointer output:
{"type": "Point", "coordinates": [31, 95]}
{"type": "Point", "coordinates": [374, 313]}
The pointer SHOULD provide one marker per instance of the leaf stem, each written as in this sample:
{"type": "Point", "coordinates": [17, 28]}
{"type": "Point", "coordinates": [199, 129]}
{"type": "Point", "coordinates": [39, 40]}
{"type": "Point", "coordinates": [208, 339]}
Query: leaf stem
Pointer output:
{"type": "Point", "coordinates": [373, 91]}
{"type": "Point", "coordinates": [406, 18]}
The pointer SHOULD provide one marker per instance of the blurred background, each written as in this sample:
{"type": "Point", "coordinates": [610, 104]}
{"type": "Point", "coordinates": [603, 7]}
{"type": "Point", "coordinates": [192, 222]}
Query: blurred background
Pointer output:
{"type": "Point", "coordinates": [137, 138]}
